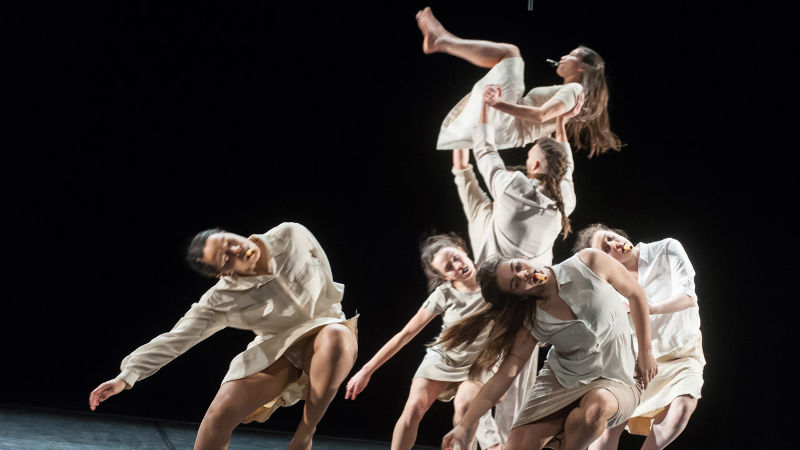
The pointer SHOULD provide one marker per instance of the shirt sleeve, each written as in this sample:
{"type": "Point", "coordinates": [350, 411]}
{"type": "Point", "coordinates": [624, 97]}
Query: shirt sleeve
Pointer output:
{"type": "Point", "coordinates": [568, 94]}
{"type": "Point", "coordinates": [197, 324]}
{"type": "Point", "coordinates": [682, 270]}
{"type": "Point", "coordinates": [567, 185]}
{"type": "Point", "coordinates": [490, 165]}
{"type": "Point", "coordinates": [436, 303]}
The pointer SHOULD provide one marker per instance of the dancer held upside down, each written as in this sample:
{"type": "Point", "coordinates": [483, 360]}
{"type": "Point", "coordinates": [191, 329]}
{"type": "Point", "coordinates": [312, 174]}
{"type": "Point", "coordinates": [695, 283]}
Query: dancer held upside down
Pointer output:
{"type": "Point", "coordinates": [588, 381]}
{"type": "Point", "coordinates": [279, 285]}
{"type": "Point", "coordinates": [665, 273]}
{"type": "Point", "coordinates": [520, 119]}
{"type": "Point", "coordinates": [443, 374]}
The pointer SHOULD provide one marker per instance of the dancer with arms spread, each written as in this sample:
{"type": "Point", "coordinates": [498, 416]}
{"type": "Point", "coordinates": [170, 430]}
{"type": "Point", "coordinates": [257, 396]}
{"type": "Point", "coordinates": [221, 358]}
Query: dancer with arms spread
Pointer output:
{"type": "Point", "coordinates": [443, 374]}
{"type": "Point", "coordinates": [279, 285]}
{"type": "Point", "coordinates": [588, 381]}
{"type": "Point", "coordinates": [665, 273]}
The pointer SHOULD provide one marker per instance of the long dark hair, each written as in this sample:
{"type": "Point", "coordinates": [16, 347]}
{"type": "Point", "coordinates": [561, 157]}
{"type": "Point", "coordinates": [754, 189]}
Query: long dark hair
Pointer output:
{"type": "Point", "coordinates": [506, 314]}
{"type": "Point", "coordinates": [556, 156]}
{"type": "Point", "coordinates": [584, 237]}
{"type": "Point", "coordinates": [591, 128]}
{"type": "Point", "coordinates": [428, 249]}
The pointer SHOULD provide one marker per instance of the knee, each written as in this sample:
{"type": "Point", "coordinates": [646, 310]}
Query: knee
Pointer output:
{"type": "Point", "coordinates": [217, 417]}
{"type": "Point", "coordinates": [599, 406]}
{"type": "Point", "coordinates": [511, 51]}
{"type": "Point", "coordinates": [683, 407]}
{"type": "Point", "coordinates": [415, 409]}
{"type": "Point", "coordinates": [337, 339]}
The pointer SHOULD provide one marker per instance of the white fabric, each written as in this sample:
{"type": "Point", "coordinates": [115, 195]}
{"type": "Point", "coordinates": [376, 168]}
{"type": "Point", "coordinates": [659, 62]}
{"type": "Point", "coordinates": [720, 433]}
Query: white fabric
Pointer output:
{"type": "Point", "coordinates": [525, 222]}
{"type": "Point", "coordinates": [456, 130]}
{"type": "Point", "coordinates": [281, 308]}
{"type": "Point", "coordinates": [596, 344]}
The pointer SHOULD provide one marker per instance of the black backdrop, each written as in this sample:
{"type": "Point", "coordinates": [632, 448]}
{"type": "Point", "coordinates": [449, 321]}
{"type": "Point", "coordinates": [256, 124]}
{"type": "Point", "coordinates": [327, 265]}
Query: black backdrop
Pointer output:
{"type": "Point", "coordinates": [129, 127]}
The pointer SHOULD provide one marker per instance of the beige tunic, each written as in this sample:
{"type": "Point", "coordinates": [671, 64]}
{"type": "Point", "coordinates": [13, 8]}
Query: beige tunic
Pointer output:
{"type": "Point", "coordinates": [456, 131]}
{"type": "Point", "coordinates": [454, 365]}
{"type": "Point", "coordinates": [295, 300]}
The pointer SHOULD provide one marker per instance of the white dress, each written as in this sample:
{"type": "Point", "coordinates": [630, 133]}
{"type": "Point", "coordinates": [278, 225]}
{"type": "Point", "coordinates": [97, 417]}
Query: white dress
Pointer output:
{"type": "Point", "coordinates": [454, 365]}
{"type": "Point", "coordinates": [456, 131]}
{"type": "Point", "coordinates": [291, 303]}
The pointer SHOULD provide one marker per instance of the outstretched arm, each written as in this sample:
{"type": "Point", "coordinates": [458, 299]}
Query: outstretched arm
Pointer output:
{"type": "Point", "coordinates": [196, 325]}
{"type": "Point", "coordinates": [360, 380]}
{"type": "Point", "coordinates": [490, 165]}
{"type": "Point", "coordinates": [615, 273]}
{"type": "Point", "coordinates": [512, 364]}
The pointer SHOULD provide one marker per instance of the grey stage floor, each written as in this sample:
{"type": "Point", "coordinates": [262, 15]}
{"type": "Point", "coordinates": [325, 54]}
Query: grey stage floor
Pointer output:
{"type": "Point", "coordinates": [33, 429]}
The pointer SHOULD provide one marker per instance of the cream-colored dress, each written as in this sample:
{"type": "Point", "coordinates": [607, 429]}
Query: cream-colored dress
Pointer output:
{"type": "Point", "coordinates": [665, 271]}
{"type": "Point", "coordinates": [454, 365]}
{"type": "Point", "coordinates": [594, 350]}
{"type": "Point", "coordinates": [456, 131]}
{"type": "Point", "coordinates": [282, 308]}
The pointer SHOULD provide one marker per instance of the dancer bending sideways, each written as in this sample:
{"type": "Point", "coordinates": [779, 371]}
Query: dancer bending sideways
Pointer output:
{"type": "Point", "coordinates": [666, 275]}
{"type": "Point", "coordinates": [443, 374]}
{"type": "Point", "coordinates": [587, 382]}
{"type": "Point", "coordinates": [529, 210]}
{"type": "Point", "coordinates": [279, 285]}
{"type": "Point", "coordinates": [523, 119]}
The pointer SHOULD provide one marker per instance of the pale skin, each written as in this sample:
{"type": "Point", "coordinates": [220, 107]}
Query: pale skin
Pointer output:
{"type": "Point", "coordinates": [453, 264]}
{"type": "Point", "coordinates": [584, 423]}
{"type": "Point", "coordinates": [327, 359]}
{"type": "Point", "coordinates": [436, 39]}
{"type": "Point", "coordinates": [671, 422]}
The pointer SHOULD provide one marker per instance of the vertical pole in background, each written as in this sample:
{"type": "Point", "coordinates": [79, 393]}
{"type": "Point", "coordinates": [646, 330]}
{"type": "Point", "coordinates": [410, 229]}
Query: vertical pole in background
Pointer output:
{"type": "Point", "coordinates": [530, 5]}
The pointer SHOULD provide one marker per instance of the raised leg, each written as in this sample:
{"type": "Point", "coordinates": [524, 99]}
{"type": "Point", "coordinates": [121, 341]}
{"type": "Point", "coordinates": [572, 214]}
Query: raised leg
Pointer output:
{"type": "Point", "coordinates": [328, 359]}
{"type": "Point", "coordinates": [481, 53]}
{"type": "Point", "coordinates": [238, 398]}
{"type": "Point", "coordinates": [422, 395]}
{"type": "Point", "coordinates": [587, 422]}
{"type": "Point", "coordinates": [670, 423]}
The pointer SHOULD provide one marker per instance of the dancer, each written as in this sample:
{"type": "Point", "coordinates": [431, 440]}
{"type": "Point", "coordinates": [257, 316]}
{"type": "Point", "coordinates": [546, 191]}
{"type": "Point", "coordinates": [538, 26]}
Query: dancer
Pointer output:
{"type": "Point", "coordinates": [279, 285]}
{"type": "Point", "coordinates": [588, 380]}
{"type": "Point", "coordinates": [666, 275]}
{"type": "Point", "coordinates": [528, 212]}
{"type": "Point", "coordinates": [443, 374]}
{"type": "Point", "coordinates": [521, 120]}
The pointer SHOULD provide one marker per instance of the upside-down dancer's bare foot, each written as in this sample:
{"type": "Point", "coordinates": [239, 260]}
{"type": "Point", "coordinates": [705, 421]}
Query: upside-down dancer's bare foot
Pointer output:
{"type": "Point", "coordinates": [432, 31]}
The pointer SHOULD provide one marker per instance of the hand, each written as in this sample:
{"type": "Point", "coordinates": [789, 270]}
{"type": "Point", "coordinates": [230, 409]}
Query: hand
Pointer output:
{"type": "Point", "coordinates": [575, 109]}
{"type": "Point", "coordinates": [492, 94]}
{"type": "Point", "coordinates": [104, 391]}
{"type": "Point", "coordinates": [357, 383]}
{"type": "Point", "coordinates": [648, 368]}
{"type": "Point", "coordinates": [456, 439]}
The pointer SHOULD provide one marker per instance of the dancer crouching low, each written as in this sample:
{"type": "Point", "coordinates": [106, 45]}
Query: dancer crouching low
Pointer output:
{"type": "Point", "coordinates": [279, 285]}
{"type": "Point", "coordinates": [588, 381]}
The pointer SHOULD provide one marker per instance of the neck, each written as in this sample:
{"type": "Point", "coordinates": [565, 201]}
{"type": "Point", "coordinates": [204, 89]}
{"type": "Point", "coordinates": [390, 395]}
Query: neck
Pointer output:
{"type": "Point", "coordinates": [470, 284]}
{"type": "Point", "coordinates": [577, 78]}
{"type": "Point", "coordinates": [632, 264]}
{"type": "Point", "coordinates": [262, 265]}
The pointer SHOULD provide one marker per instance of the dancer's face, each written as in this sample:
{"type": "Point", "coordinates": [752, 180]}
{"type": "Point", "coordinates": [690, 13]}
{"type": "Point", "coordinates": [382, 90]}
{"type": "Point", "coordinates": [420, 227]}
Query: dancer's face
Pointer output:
{"type": "Point", "coordinates": [518, 276]}
{"type": "Point", "coordinates": [453, 264]}
{"type": "Point", "coordinates": [228, 253]}
{"type": "Point", "coordinates": [611, 243]}
{"type": "Point", "coordinates": [570, 65]}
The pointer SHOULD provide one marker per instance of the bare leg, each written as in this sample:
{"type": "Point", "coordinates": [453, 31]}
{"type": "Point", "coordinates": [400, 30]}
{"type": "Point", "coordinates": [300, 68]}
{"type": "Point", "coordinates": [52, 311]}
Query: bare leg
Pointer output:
{"type": "Point", "coordinates": [466, 393]}
{"type": "Point", "coordinates": [238, 398]}
{"type": "Point", "coordinates": [670, 423]}
{"type": "Point", "coordinates": [534, 435]}
{"type": "Point", "coordinates": [328, 359]}
{"type": "Point", "coordinates": [481, 53]}
{"type": "Point", "coordinates": [586, 423]}
{"type": "Point", "coordinates": [423, 394]}
{"type": "Point", "coordinates": [609, 440]}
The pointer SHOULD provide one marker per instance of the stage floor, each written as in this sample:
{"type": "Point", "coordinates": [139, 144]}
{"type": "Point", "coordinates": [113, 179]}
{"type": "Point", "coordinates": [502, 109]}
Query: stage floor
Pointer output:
{"type": "Point", "coordinates": [23, 428]}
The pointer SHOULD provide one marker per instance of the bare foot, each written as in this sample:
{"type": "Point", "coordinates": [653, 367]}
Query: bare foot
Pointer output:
{"type": "Point", "coordinates": [432, 31]}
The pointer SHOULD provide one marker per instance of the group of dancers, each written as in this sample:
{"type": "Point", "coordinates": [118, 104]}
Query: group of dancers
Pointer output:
{"type": "Point", "coordinates": [622, 319]}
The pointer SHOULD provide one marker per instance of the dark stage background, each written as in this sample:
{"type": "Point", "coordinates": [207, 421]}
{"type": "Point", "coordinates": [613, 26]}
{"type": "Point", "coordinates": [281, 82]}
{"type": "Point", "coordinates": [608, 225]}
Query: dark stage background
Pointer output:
{"type": "Point", "coordinates": [130, 126]}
